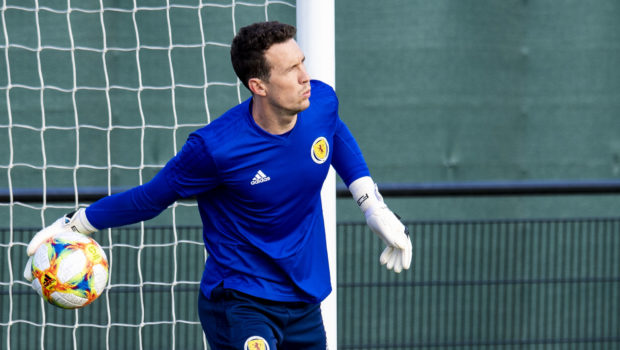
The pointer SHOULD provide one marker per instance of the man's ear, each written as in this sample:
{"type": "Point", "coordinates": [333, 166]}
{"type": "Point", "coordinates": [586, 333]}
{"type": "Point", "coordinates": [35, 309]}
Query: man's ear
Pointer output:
{"type": "Point", "coordinates": [257, 87]}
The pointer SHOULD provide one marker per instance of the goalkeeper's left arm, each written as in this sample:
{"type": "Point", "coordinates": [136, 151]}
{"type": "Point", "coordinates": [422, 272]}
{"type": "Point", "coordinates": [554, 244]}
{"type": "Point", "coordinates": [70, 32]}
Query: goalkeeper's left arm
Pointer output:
{"type": "Point", "coordinates": [350, 165]}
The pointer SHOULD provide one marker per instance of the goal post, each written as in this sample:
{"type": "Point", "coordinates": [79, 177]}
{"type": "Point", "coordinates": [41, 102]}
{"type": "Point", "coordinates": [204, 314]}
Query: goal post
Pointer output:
{"type": "Point", "coordinates": [316, 37]}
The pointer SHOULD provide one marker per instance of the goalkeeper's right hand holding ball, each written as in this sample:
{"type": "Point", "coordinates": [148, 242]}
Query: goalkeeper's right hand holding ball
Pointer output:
{"type": "Point", "coordinates": [383, 222]}
{"type": "Point", "coordinates": [75, 221]}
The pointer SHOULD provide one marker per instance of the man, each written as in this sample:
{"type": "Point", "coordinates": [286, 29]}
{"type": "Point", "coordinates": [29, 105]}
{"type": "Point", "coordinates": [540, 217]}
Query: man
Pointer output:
{"type": "Point", "coordinates": [256, 173]}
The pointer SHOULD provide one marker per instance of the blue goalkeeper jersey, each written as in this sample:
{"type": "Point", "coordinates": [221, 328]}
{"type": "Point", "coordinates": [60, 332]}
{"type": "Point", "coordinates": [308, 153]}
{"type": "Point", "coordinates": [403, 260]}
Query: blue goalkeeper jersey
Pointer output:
{"type": "Point", "coordinates": [258, 195]}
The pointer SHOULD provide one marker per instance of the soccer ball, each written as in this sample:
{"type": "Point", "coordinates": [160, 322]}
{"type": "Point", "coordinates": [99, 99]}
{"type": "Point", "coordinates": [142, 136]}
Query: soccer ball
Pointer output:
{"type": "Point", "coordinates": [70, 270]}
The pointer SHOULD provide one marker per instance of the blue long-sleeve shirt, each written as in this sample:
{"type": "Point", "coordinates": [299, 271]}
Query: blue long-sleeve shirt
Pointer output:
{"type": "Point", "coordinates": [258, 195]}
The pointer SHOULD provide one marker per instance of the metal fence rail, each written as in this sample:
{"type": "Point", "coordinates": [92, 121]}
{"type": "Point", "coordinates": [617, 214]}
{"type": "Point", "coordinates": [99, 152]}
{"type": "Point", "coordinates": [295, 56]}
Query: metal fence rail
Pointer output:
{"type": "Point", "coordinates": [501, 284]}
{"type": "Point", "coordinates": [433, 189]}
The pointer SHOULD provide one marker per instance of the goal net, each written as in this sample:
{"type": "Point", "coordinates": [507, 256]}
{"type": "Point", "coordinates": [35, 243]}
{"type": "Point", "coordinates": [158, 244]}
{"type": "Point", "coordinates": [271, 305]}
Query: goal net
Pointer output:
{"type": "Point", "coordinates": [96, 96]}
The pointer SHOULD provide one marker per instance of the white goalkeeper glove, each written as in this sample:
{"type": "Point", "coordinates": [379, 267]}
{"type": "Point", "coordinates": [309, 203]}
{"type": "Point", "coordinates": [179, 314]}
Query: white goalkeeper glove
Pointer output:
{"type": "Point", "coordinates": [75, 221]}
{"type": "Point", "coordinates": [383, 222]}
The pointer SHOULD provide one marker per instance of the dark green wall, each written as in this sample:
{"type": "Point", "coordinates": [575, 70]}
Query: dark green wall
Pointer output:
{"type": "Point", "coordinates": [434, 91]}
{"type": "Point", "coordinates": [440, 91]}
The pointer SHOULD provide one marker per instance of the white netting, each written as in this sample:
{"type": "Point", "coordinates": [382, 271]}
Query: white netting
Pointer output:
{"type": "Point", "coordinates": [101, 94]}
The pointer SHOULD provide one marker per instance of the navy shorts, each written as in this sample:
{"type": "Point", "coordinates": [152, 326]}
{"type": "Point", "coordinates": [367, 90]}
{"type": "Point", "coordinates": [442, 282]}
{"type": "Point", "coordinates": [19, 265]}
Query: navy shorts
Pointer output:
{"type": "Point", "coordinates": [234, 320]}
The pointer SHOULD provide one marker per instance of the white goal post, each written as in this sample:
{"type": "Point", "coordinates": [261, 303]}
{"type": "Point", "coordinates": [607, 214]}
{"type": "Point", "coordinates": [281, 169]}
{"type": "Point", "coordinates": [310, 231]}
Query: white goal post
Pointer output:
{"type": "Point", "coordinates": [316, 37]}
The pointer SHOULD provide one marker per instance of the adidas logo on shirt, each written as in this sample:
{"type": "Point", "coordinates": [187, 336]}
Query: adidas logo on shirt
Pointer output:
{"type": "Point", "coordinates": [260, 177]}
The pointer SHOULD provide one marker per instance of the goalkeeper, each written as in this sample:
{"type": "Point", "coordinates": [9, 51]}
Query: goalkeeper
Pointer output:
{"type": "Point", "coordinates": [256, 173]}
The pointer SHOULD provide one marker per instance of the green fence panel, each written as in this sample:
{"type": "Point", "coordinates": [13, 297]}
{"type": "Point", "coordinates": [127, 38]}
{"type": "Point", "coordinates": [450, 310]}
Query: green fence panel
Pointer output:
{"type": "Point", "coordinates": [527, 284]}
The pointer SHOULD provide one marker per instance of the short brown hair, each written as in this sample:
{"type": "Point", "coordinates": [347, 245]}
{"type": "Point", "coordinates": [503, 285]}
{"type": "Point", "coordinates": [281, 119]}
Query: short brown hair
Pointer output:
{"type": "Point", "coordinates": [247, 52]}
